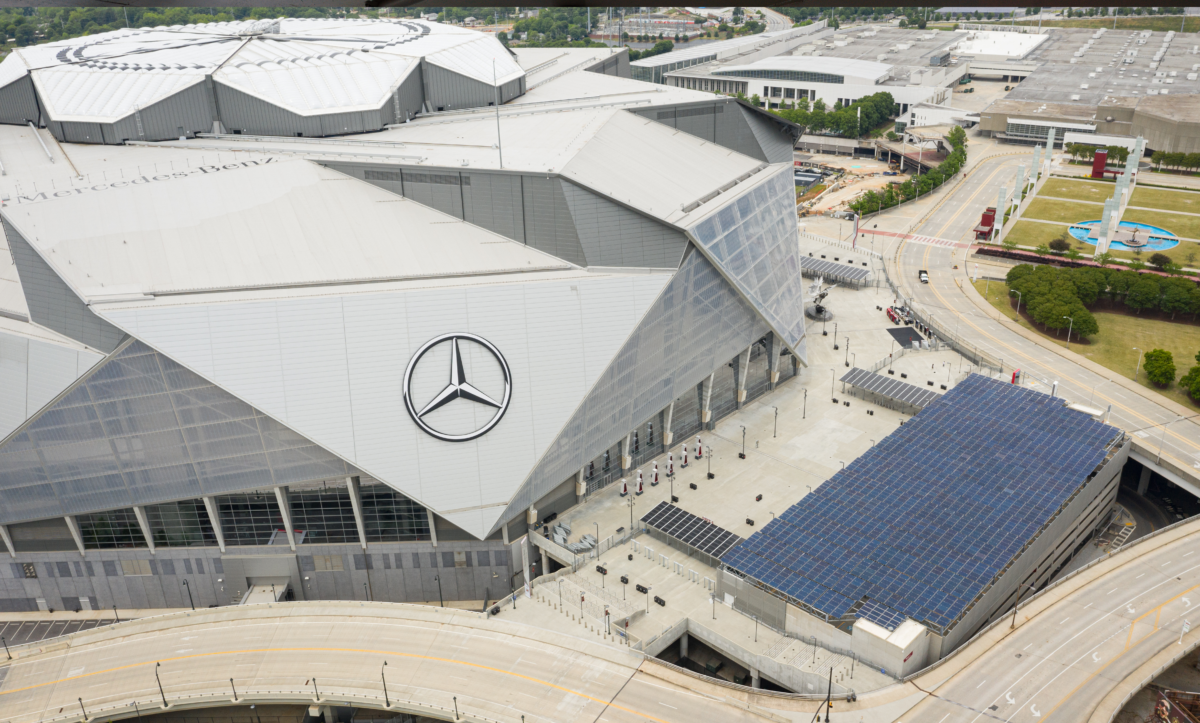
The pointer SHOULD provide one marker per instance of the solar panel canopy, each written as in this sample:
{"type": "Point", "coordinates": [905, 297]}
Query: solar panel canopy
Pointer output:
{"type": "Point", "coordinates": [690, 529]}
{"type": "Point", "coordinates": [930, 515]}
{"type": "Point", "coordinates": [821, 267]}
{"type": "Point", "coordinates": [889, 387]}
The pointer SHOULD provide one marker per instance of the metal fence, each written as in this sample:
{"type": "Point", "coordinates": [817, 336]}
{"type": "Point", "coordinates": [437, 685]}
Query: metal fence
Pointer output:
{"type": "Point", "coordinates": [978, 357]}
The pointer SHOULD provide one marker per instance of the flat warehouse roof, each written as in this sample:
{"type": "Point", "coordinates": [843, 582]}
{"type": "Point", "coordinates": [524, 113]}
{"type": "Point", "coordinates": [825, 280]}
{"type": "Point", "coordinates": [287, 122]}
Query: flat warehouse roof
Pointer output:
{"type": "Point", "coordinates": [926, 519]}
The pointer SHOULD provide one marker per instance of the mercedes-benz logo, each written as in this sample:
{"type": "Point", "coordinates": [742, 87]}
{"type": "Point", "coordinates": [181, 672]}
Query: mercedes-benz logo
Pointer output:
{"type": "Point", "coordinates": [458, 388]}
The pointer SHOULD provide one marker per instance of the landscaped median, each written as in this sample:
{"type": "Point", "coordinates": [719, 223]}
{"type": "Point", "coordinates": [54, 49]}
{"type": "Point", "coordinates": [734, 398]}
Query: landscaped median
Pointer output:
{"type": "Point", "coordinates": [1049, 209]}
{"type": "Point", "coordinates": [1077, 190]}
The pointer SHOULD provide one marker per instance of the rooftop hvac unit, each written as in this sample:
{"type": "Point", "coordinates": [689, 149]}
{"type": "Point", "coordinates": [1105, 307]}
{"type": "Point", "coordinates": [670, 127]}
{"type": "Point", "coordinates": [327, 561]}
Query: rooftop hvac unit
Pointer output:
{"type": "Point", "coordinates": [881, 56]}
{"type": "Point", "coordinates": [1074, 60]}
{"type": "Point", "coordinates": [1074, 96]}
{"type": "Point", "coordinates": [1083, 85]}
{"type": "Point", "coordinates": [1091, 75]}
{"type": "Point", "coordinates": [1164, 91]}
{"type": "Point", "coordinates": [1169, 81]}
{"type": "Point", "coordinates": [1099, 70]}
{"type": "Point", "coordinates": [903, 46]}
{"type": "Point", "coordinates": [1151, 91]}
{"type": "Point", "coordinates": [1161, 74]}
{"type": "Point", "coordinates": [1172, 74]}
{"type": "Point", "coordinates": [1192, 76]}
{"type": "Point", "coordinates": [1153, 66]}
{"type": "Point", "coordinates": [1195, 49]}
{"type": "Point", "coordinates": [1141, 42]}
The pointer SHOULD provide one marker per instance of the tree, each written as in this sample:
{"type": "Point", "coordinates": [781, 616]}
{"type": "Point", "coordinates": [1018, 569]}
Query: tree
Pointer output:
{"type": "Point", "coordinates": [1143, 295]}
{"type": "Point", "coordinates": [1176, 296]}
{"type": "Point", "coordinates": [1104, 259]}
{"type": "Point", "coordinates": [1159, 259]}
{"type": "Point", "coordinates": [1060, 245]}
{"type": "Point", "coordinates": [1160, 367]}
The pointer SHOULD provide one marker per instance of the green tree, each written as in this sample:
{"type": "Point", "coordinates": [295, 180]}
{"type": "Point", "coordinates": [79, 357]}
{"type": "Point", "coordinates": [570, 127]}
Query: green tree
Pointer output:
{"type": "Point", "coordinates": [1160, 367]}
{"type": "Point", "coordinates": [1104, 259]}
{"type": "Point", "coordinates": [1060, 244]}
{"type": "Point", "coordinates": [1143, 295]}
{"type": "Point", "coordinates": [1176, 296]}
{"type": "Point", "coordinates": [1159, 260]}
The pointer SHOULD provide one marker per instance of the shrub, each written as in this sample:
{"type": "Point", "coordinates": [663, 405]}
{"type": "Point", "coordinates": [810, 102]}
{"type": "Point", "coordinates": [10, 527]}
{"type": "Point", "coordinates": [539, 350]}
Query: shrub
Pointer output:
{"type": "Point", "coordinates": [1160, 367]}
{"type": "Point", "coordinates": [1060, 245]}
{"type": "Point", "coordinates": [1159, 260]}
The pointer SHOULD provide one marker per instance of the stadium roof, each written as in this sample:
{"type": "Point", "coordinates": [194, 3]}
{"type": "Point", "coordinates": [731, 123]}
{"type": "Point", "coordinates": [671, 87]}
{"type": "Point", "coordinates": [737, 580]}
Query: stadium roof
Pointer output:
{"type": "Point", "coordinates": [304, 65]}
{"type": "Point", "coordinates": [725, 48]}
{"type": "Point", "coordinates": [926, 519]}
{"type": "Point", "coordinates": [867, 71]}
{"type": "Point", "coordinates": [284, 223]}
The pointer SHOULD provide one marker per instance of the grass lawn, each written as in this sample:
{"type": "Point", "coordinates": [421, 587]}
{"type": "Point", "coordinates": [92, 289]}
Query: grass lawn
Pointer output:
{"type": "Point", "coordinates": [1180, 225]}
{"type": "Point", "coordinates": [1119, 333]}
{"type": "Point", "coordinates": [1078, 190]}
{"type": "Point", "coordinates": [1063, 211]}
{"type": "Point", "coordinates": [1166, 200]}
{"type": "Point", "coordinates": [1034, 234]}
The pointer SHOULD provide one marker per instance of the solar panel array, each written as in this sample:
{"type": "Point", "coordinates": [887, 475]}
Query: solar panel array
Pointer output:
{"type": "Point", "coordinates": [890, 388]}
{"type": "Point", "coordinates": [830, 270]}
{"type": "Point", "coordinates": [928, 517]}
{"type": "Point", "coordinates": [690, 529]}
{"type": "Point", "coordinates": [880, 615]}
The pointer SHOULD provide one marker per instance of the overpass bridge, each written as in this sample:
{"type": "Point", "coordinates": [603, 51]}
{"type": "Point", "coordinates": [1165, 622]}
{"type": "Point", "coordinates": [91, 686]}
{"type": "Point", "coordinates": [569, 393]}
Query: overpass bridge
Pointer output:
{"type": "Point", "coordinates": [1076, 652]}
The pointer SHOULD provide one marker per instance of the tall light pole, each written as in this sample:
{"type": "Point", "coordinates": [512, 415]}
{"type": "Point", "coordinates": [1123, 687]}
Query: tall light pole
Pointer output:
{"type": "Point", "coordinates": [442, 602]}
{"type": "Point", "coordinates": [190, 600]}
{"type": "Point", "coordinates": [1069, 328]}
{"type": "Point", "coordinates": [775, 431]}
{"type": "Point", "coordinates": [159, 680]}
{"type": "Point", "coordinates": [387, 703]}
{"type": "Point", "coordinates": [1018, 293]}
{"type": "Point", "coordinates": [1139, 363]}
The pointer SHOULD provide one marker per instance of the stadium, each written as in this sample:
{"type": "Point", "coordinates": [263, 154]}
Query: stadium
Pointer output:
{"type": "Point", "coordinates": [359, 298]}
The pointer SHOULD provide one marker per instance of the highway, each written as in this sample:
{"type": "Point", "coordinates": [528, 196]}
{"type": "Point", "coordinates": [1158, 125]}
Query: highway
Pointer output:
{"type": "Point", "coordinates": [1073, 645]}
{"type": "Point", "coordinates": [1154, 424]}
{"type": "Point", "coordinates": [1063, 664]}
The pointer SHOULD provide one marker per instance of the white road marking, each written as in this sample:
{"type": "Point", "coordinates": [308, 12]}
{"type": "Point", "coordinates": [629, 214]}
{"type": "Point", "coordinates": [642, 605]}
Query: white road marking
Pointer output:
{"type": "Point", "coordinates": [1036, 713]}
{"type": "Point", "coordinates": [669, 706]}
{"type": "Point", "coordinates": [1168, 562]}
{"type": "Point", "coordinates": [1008, 697]}
{"type": "Point", "coordinates": [1064, 620]}
{"type": "Point", "coordinates": [1027, 647]}
{"type": "Point", "coordinates": [1110, 592]}
{"type": "Point", "coordinates": [1140, 576]}
{"type": "Point", "coordinates": [1095, 658]}
{"type": "Point", "coordinates": [981, 684]}
{"type": "Point", "coordinates": [1189, 553]}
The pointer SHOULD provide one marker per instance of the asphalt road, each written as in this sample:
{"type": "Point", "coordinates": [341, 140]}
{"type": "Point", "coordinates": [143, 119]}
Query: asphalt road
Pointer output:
{"type": "Point", "coordinates": [1061, 665]}
{"type": "Point", "coordinates": [335, 652]}
{"type": "Point", "coordinates": [953, 219]}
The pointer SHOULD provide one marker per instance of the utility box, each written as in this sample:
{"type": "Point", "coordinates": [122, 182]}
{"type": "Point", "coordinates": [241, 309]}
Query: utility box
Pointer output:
{"type": "Point", "coordinates": [986, 223]}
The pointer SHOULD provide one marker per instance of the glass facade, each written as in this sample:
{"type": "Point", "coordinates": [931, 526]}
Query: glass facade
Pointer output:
{"type": "Point", "coordinates": [1017, 129]}
{"type": "Point", "coordinates": [801, 76]}
{"type": "Point", "coordinates": [389, 516]}
{"type": "Point", "coordinates": [251, 518]}
{"type": "Point", "coordinates": [142, 430]}
{"type": "Point", "coordinates": [110, 530]}
{"type": "Point", "coordinates": [326, 516]}
{"type": "Point", "coordinates": [180, 524]}
{"type": "Point", "coordinates": [753, 240]}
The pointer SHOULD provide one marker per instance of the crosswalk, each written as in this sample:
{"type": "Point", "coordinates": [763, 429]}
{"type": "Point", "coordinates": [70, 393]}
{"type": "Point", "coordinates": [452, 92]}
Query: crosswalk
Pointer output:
{"type": "Point", "coordinates": [923, 239]}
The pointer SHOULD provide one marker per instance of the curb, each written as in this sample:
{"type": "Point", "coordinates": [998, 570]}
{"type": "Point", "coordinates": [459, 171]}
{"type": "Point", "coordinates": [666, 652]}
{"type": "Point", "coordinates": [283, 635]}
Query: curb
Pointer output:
{"type": "Point", "coordinates": [983, 305]}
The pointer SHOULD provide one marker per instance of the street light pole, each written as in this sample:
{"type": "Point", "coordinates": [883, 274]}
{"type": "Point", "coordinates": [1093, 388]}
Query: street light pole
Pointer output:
{"type": "Point", "coordinates": [441, 601]}
{"type": "Point", "coordinates": [742, 455]}
{"type": "Point", "coordinates": [190, 600]}
{"type": "Point", "coordinates": [1139, 363]}
{"type": "Point", "coordinates": [1069, 328]}
{"type": "Point", "coordinates": [160, 688]}
{"type": "Point", "coordinates": [804, 413]}
{"type": "Point", "coordinates": [386, 703]}
{"type": "Point", "coordinates": [775, 431]}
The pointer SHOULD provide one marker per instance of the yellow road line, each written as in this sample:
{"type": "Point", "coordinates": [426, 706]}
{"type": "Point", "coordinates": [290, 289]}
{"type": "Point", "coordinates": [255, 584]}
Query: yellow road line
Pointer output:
{"type": "Point", "coordinates": [342, 650]}
{"type": "Point", "coordinates": [1157, 613]}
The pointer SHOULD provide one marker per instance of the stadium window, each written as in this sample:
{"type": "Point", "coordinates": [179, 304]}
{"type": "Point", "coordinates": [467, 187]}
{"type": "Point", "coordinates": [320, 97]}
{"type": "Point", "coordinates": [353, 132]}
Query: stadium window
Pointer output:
{"type": "Point", "coordinates": [328, 563]}
{"type": "Point", "coordinates": [29, 570]}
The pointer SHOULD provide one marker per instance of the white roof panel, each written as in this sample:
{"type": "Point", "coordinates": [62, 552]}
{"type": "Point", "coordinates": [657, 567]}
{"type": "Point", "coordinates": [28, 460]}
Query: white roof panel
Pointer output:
{"type": "Point", "coordinates": [329, 363]}
{"type": "Point", "coordinates": [275, 224]}
{"type": "Point", "coordinates": [724, 48]}
{"type": "Point", "coordinates": [303, 65]}
{"type": "Point", "coordinates": [867, 70]}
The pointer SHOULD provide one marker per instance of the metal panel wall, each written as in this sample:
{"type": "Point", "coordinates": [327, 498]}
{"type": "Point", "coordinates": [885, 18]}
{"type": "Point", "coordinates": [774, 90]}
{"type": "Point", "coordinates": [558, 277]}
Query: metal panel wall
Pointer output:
{"type": "Point", "coordinates": [616, 65]}
{"type": "Point", "coordinates": [411, 95]}
{"type": "Point", "coordinates": [698, 323]}
{"type": "Point", "coordinates": [612, 235]}
{"type": "Point", "coordinates": [184, 113]}
{"type": "Point", "coordinates": [441, 190]}
{"type": "Point", "coordinates": [549, 226]}
{"type": "Point", "coordinates": [723, 121]}
{"type": "Point", "coordinates": [447, 90]}
{"type": "Point", "coordinates": [18, 104]}
{"type": "Point", "coordinates": [33, 372]}
{"type": "Point", "coordinates": [733, 131]}
{"type": "Point", "coordinates": [699, 121]}
{"type": "Point", "coordinates": [493, 201]}
{"type": "Point", "coordinates": [754, 240]}
{"type": "Point", "coordinates": [778, 146]}
{"type": "Point", "coordinates": [52, 303]}
{"type": "Point", "coordinates": [141, 429]}
{"type": "Point", "coordinates": [392, 572]}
